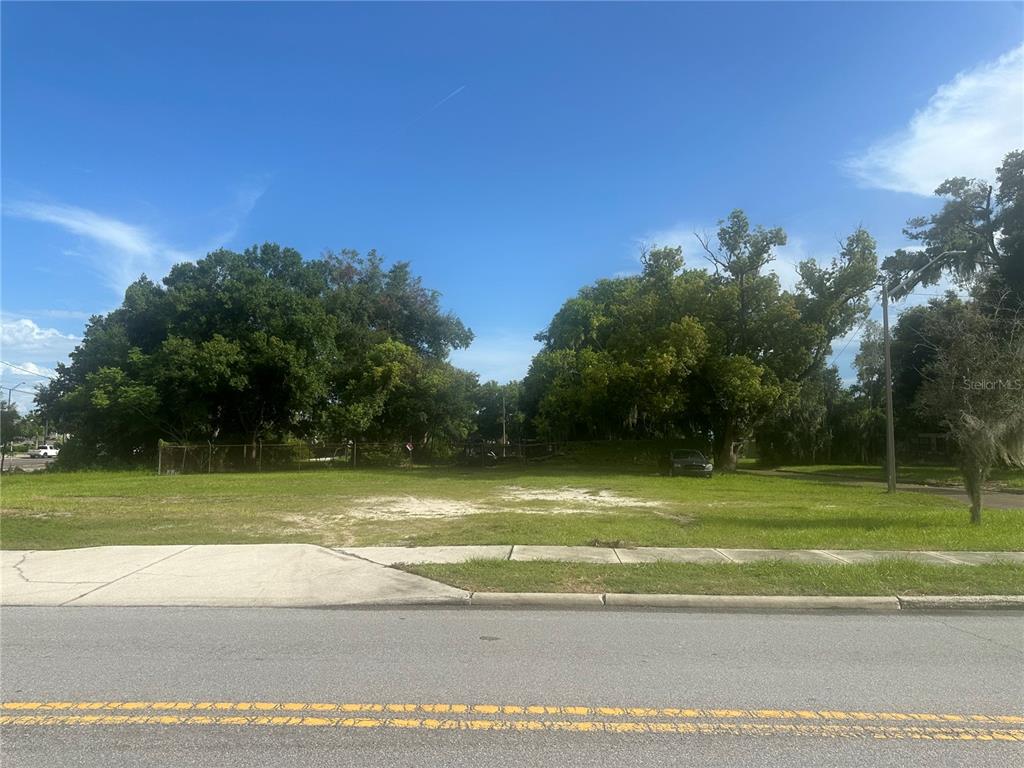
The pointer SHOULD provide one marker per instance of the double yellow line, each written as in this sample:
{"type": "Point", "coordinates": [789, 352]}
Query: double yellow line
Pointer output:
{"type": "Point", "coordinates": [521, 718]}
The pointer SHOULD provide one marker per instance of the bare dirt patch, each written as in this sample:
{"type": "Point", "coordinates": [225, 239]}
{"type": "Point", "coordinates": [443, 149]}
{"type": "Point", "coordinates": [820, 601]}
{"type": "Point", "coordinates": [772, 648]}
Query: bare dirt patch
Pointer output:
{"type": "Point", "coordinates": [579, 499]}
{"type": "Point", "coordinates": [558, 501]}
{"type": "Point", "coordinates": [402, 507]}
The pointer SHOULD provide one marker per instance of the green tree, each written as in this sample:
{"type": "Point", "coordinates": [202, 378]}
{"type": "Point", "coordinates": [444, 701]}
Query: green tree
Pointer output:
{"type": "Point", "coordinates": [263, 345]}
{"type": "Point", "coordinates": [680, 352]}
{"type": "Point", "coordinates": [765, 342]}
{"type": "Point", "coordinates": [617, 357]}
{"type": "Point", "coordinates": [975, 386]}
{"type": "Point", "coordinates": [981, 228]}
{"type": "Point", "coordinates": [971, 376]}
{"type": "Point", "coordinates": [498, 411]}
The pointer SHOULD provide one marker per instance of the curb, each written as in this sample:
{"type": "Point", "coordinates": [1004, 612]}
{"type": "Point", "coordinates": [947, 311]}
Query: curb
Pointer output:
{"type": "Point", "coordinates": [877, 604]}
{"type": "Point", "coordinates": [961, 602]}
{"type": "Point", "coordinates": [536, 600]}
{"type": "Point", "coordinates": [770, 603]}
{"type": "Point", "coordinates": [756, 602]}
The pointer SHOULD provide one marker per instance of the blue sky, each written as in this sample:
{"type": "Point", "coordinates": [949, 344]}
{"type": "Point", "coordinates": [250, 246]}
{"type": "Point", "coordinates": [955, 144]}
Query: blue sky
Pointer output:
{"type": "Point", "coordinates": [512, 153]}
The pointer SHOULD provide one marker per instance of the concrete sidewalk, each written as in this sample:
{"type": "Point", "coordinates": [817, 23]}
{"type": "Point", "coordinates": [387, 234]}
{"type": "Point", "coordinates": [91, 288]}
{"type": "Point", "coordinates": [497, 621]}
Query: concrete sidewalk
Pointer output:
{"type": "Point", "coordinates": [412, 555]}
{"type": "Point", "coordinates": [304, 575]}
{"type": "Point", "coordinates": [267, 575]}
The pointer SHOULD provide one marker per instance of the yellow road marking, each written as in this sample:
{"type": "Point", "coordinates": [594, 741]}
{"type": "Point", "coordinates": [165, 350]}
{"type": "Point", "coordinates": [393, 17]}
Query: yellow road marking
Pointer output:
{"type": "Point", "coordinates": [511, 709]}
{"type": "Point", "coordinates": [830, 730]}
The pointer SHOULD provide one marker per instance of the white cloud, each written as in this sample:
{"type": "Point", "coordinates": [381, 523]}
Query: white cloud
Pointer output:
{"type": "Point", "coordinates": [967, 127]}
{"type": "Point", "coordinates": [499, 355]}
{"type": "Point", "coordinates": [28, 369]}
{"type": "Point", "coordinates": [120, 252]}
{"type": "Point", "coordinates": [31, 353]}
{"type": "Point", "coordinates": [23, 337]}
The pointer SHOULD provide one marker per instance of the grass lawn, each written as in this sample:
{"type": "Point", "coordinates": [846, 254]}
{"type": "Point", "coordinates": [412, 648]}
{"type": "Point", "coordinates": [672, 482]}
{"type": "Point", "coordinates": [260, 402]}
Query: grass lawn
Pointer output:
{"type": "Point", "coordinates": [535, 505]}
{"type": "Point", "coordinates": [764, 578]}
{"type": "Point", "coordinates": [1002, 479]}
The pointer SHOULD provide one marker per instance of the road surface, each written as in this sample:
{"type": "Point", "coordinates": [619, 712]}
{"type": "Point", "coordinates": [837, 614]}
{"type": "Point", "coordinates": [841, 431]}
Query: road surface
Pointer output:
{"type": "Point", "coordinates": [23, 462]}
{"type": "Point", "coordinates": [301, 687]}
{"type": "Point", "coordinates": [992, 499]}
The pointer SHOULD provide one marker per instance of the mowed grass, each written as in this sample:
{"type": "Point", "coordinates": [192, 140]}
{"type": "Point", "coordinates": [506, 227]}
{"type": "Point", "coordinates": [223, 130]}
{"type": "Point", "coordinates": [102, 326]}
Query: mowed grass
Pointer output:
{"type": "Point", "coordinates": [61, 510]}
{"type": "Point", "coordinates": [889, 577]}
{"type": "Point", "coordinates": [1000, 479]}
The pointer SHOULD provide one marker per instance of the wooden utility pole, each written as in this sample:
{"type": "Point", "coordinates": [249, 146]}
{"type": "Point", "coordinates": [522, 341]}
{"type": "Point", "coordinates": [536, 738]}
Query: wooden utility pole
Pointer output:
{"type": "Point", "coordinates": [890, 429]}
{"type": "Point", "coordinates": [504, 439]}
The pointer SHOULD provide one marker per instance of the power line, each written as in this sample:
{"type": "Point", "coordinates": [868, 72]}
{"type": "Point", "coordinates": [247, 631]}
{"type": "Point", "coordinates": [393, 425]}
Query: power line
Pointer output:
{"type": "Point", "coordinates": [861, 327]}
{"type": "Point", "coordinates": [27, 370]}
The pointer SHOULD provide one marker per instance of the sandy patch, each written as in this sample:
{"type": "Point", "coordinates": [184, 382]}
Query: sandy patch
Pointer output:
{"type": "Point", "coordinates": [403, 507]}
{"type": "Point", "coordinates": [560, 501]}
{"type": "Point", "coordinates": [580, 499]}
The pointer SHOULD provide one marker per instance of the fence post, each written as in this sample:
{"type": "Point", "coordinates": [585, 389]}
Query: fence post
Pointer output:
{"type": "Point", "coordinates": [355, 450]}
{"type": "Point", "coordinates": [259, 457]}
{"type": "Point", "coordinates": [159, 456]}
{"type": "Point", "coordinates": [209, 463]}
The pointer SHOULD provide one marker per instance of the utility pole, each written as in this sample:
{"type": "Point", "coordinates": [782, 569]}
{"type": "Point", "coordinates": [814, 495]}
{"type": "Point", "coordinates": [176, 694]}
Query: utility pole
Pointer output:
{"type": "Point", "coordinates": [504, 439]}
{"type": "Point", "coordinates": [890, 427]}
{"type": "Point", "coordinates": [3, 446]}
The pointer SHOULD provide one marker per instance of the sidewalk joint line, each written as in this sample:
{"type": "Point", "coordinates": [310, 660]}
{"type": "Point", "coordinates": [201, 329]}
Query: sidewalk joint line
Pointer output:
{"type": "Point", "coordinates": [826, 553]}
{"type": "Point", "coordinates": [948, 558]}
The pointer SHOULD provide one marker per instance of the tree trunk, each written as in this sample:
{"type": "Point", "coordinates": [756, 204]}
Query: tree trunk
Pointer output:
{"type": "Point", "coordinates": [725, 458]}
{"type": "Point", "coordinates": [973, 479]}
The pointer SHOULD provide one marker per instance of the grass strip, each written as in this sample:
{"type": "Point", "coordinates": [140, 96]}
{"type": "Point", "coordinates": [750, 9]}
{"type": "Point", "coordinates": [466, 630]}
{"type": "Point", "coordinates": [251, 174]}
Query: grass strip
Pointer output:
{"type": "Point", "coordinates": [763, 578]}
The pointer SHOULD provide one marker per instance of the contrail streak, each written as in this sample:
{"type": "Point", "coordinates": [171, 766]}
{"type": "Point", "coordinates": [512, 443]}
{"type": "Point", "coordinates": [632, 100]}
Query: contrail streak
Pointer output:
{"type": "Point", "coordinates": [451, 95]}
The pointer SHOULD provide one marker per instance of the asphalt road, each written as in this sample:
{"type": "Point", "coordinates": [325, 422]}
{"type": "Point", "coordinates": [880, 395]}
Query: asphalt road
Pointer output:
{"type": "Point", "coordinates": [25, 463]}
{"type": "Point", "coordinates": [991, 499]}
{"type": "Point", "coordinates": [227, 687]}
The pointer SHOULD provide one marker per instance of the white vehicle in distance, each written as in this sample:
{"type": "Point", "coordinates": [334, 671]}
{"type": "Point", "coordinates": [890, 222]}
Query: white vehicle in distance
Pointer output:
{"type": "Point", "coordinates": [45, 451]}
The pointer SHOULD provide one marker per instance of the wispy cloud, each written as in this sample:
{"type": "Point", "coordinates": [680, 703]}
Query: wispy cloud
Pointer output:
{"type": "Point", "coordinates": [58, 314]}
{"type": "Point", "coordinates": [121, 251]}
{"type": "Point", "coordinates": [967, 127]}
{"type": "Point", "coordinates": [682, 235]}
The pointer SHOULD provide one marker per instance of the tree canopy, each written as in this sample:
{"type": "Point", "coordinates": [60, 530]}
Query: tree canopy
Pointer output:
{"type": "Point", "coordinates": [263, 345]}
{"type": "Point", "coordinates": [705, 354]}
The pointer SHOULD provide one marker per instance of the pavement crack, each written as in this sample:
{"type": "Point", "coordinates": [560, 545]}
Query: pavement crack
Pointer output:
{"type": "Point", "coordinates": [1015, 650]}
{"type": "Point", "coordinates": [17, 567]}
{"type": "Point", "coordinates": [132, 573]}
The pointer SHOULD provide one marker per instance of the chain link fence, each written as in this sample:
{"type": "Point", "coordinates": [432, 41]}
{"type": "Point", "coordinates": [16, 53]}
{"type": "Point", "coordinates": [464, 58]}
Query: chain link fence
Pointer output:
{"type": "Point", "coordinates": [201, 458]}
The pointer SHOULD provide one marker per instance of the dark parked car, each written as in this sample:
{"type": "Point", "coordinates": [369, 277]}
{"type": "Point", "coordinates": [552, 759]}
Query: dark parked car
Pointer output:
{"type": "Point", "coordinates": [684, 461]}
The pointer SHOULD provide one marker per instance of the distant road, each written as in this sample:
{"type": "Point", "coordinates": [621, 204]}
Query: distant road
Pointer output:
{"type": "Point", "coordinates": [298, 687]}
{"type": "Point", "coordinates": [996, 500]}
{"type": "Point", "coordinates": [23, 462]}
